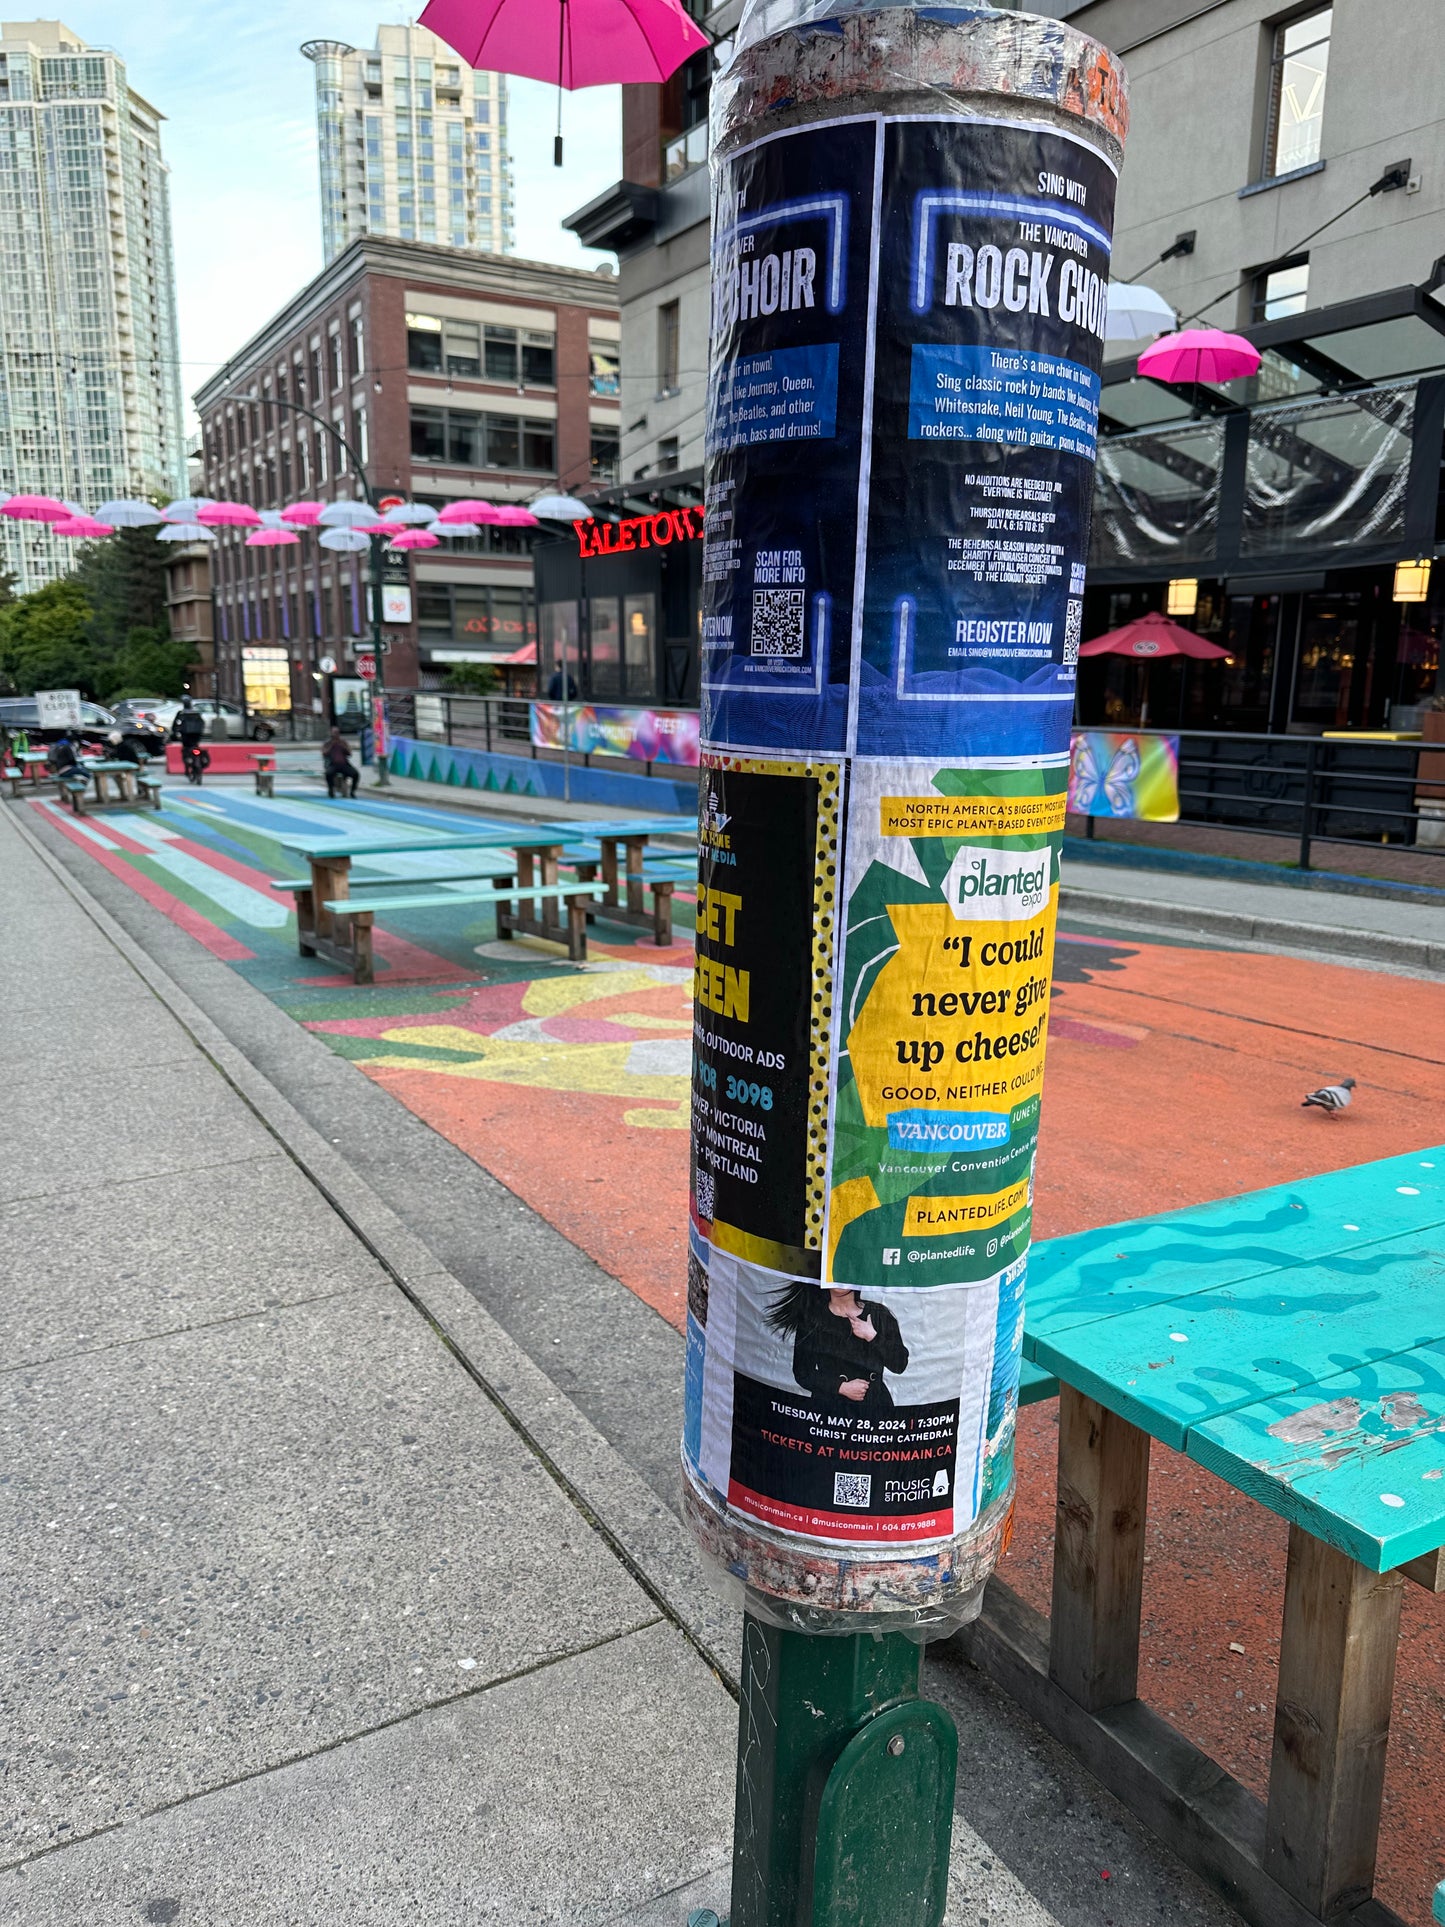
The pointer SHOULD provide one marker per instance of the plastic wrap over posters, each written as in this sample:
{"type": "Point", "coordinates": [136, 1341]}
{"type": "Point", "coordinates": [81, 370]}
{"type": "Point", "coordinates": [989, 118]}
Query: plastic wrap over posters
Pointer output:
{"type": "Point", "coordinates": [1114, 773]}
{"type": "Point", "coordinates": [922, 302]}
{"type": "Point", "coordinates": [907, 336]}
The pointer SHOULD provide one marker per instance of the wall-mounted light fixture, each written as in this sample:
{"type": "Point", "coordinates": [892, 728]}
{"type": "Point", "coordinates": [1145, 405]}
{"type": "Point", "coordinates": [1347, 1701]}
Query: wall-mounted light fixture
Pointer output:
{"type": "Point", "coordinates": [1412, 580]}
{"type": "Point", "coordinates": [1182, 598]}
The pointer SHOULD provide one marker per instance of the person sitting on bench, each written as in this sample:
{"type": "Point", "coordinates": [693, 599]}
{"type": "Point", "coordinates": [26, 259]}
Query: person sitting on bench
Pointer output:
{"type": "Point", "coordinates": [341, 773]}
{"type": "Point", "coordinates": [62, 756]}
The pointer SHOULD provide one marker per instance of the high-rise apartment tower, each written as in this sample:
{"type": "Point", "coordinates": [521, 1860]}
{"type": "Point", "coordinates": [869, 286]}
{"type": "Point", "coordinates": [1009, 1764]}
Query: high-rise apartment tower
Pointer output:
{"type": "Point", "coordinates": [412, 143]}
{"type": "Point", "coordinates": [90, 391]}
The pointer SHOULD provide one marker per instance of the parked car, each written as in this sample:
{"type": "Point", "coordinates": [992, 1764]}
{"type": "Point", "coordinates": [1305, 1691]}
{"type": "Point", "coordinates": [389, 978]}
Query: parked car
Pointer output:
{"type": "Point", "coordinates": [23, 712]}
{"type": "Point", "coordinates": [222, 718]}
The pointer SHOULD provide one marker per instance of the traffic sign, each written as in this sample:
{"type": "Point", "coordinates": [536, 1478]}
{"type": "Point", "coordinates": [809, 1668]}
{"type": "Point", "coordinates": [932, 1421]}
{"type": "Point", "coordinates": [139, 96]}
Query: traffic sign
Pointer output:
{"type": "Point", "coordinates": [327, 665]}
{"type": "Point", "coordinates": [366, 667]}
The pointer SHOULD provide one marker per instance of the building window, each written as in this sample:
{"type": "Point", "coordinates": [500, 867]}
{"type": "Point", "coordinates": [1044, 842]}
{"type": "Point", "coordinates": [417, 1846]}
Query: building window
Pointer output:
{"type": "Point", "coordinates": [1298, 70]}
{"type": "Point", "coordinates": [424, 343]}
{"type": "Point", "coordinates": [465, 439]}
{"type": "Point", "coordinates": [604, 367]}
{"type": "Point", "coordinates": [667, 455]}
{"type": "Point", "coordinates": [1281, 290]}
{"type": "Point", "coordinates": [358, 347]}
{"type": "Point", "coordinates": [502, 355]}
{"type": "Point", "coordinates": [668, 329]}
{"type": "Point", "coordinates": [604, 452]}
{"type": "Point", "coordinates": [333, 347]}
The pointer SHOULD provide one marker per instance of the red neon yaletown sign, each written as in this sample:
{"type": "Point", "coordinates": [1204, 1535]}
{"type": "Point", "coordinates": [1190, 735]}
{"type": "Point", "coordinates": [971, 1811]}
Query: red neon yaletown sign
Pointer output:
{"type": "Point", "coordinates": [639, 532]}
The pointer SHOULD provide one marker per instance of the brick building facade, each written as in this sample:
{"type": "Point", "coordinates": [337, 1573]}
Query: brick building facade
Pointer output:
{"type": "Point", "coordinates": [447, 374]}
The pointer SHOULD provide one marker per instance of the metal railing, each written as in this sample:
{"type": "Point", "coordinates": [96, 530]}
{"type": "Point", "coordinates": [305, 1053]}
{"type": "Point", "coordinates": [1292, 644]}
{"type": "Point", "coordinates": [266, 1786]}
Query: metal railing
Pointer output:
{"type": "Point", "coordinates": [1311, 789]}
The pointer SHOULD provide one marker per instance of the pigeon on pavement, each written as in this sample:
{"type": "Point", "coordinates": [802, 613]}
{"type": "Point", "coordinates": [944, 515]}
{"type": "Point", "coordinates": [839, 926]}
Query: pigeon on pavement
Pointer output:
{"type": "Point", "coordinates": [1330, 1097]}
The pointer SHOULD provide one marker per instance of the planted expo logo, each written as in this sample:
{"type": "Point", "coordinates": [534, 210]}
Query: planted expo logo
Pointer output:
{"type": "Point", "coordinates": [997, 885]}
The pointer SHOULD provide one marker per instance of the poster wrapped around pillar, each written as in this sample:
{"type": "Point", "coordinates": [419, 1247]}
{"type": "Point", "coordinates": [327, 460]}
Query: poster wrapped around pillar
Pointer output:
{"type": "Point", "coordinates": [909, 294]}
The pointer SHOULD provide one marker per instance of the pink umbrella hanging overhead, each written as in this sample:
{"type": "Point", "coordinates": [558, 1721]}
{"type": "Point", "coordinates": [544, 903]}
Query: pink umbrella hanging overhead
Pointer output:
{"type": "Point", "coordinates": [271, 539]}
{"type": "Point", "coordinates": [511, 515]}
{"type": "Point", "coordinates": [569, 43]}
{"type": "Point", "coordinates": [82, 527]}
{"type": "Point", "coordinates": [1199, 354]}
{"type": "Point", "coordinates": [302, 515]}
{"type": "Point", "coordinates": [228, 515]}
{"type": "Point", "coordinates": [35, 508]}
{"type": "Point", "coordinates": [415, 539]}
{"type": "Point", "coordinates": [470, 510]}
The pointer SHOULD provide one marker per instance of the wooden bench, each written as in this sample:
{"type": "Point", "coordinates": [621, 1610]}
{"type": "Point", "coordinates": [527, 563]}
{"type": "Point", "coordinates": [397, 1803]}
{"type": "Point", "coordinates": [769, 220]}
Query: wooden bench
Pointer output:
{"type": "Point", "coordinates": [616, 852]}
{"type": "Point", "coordinates": [1293, 1343]}
{"type": "Point", "coordinates": [265, 771]}
{"type": "Point", "coordinates": [588, 859]}
{"type": "Point", "coordinates": [359, 908]}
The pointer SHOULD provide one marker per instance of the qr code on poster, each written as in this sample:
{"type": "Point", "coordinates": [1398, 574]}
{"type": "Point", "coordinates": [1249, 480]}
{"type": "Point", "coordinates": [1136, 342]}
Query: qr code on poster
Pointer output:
{"type": "Point", "coordinates": [1073, 629]}
{"type": "Point", "coordinates": [779, 616]}
{"type": "Point", "coordinates": [702, 1191]}
{"type": "Point", "coordinates": [852, 1488]}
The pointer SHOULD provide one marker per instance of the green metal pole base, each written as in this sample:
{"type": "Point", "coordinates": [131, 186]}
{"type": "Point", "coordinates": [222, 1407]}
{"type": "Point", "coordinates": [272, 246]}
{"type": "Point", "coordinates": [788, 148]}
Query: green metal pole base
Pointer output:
{"type": "Point", "coordinates": [383, 773]}
{"type": "Point", "coordinates": [845, 1784]}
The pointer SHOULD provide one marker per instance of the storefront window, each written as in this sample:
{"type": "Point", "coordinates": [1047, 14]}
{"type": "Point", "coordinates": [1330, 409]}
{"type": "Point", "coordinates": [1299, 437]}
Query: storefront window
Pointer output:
{"type": "Point", "coordinates": [1330, 663]}
{"type": "Point", "coordinates": [558, 643]}
{"type": "Point", "coordinates": [604, 630]}
{"type": "Point", "coordinates": [637, 632]}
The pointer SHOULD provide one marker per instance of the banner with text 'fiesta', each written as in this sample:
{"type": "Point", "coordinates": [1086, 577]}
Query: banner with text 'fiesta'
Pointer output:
{"type": "Point", "coordinates": [907, 338]}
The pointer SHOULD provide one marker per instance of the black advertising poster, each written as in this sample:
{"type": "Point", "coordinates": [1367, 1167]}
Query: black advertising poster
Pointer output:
{"type": "Point", "coordinates": [792, 228]}
{"type": "Point", "coordinates": [992, 293]}
{"type": "Point", "coordinates": [766, 855]}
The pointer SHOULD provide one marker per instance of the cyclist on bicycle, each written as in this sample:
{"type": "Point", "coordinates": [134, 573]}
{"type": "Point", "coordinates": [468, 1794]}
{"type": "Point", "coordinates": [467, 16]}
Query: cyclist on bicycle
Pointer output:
{"type": "Point", "coordinates": [190, 730]}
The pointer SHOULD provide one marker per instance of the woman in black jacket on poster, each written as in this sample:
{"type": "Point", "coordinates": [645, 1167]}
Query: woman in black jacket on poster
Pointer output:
{"type": "Point", "coordinates": [842, 1345]}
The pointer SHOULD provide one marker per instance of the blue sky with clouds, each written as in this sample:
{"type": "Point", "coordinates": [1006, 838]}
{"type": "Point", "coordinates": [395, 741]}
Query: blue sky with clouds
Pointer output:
{"type": "Point", "coordinates": [240, 138]}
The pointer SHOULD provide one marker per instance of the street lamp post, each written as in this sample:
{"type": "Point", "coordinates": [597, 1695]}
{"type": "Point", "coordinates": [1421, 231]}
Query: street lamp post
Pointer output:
{"type": "Point", "coordinates": [383, 776]}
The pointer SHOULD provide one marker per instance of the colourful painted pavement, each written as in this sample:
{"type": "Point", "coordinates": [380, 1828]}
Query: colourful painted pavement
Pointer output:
{"type": "Point", "coordinates": [1175, 1074]}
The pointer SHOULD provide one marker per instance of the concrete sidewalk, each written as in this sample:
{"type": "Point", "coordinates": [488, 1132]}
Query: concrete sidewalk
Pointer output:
{"type": "Point", "coordinates": [1368, 929]}
{"type": "Point", "coordinates": [330, 1605]}
{"type": "Point", "coordinates": [300, 1628]}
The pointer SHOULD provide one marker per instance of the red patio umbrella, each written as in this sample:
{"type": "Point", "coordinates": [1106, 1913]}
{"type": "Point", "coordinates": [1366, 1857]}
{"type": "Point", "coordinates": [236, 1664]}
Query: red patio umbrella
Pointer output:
{"type": "Point", "coordinates": [1148, 637]}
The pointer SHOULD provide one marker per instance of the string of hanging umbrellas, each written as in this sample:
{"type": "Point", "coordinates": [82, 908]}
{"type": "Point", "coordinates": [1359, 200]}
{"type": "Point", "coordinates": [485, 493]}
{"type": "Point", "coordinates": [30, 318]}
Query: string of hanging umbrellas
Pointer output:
{"type": "Point", "coordinates": [347, 525]}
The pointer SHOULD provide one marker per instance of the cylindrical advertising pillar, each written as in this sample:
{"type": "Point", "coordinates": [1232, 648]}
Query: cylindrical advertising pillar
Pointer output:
{"type": "Point", "coordinates": [911, 232]}
{"type": "Point", "coordinates": [912, 219]}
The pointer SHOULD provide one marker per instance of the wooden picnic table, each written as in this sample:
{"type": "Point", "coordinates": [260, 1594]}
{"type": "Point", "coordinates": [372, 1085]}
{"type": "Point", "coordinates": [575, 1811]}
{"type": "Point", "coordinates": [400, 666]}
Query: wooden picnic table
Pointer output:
{"type": "Point", "coordinates": [622, 845]}
{"type": "Point", "coordinates": [1292, 1342]}
{"type": "Point", "coordinates": [25, 763]}
{"type": "Point", "coordinates": [125, 776]}
{"type": "Point", "coordinates": [323, 930]}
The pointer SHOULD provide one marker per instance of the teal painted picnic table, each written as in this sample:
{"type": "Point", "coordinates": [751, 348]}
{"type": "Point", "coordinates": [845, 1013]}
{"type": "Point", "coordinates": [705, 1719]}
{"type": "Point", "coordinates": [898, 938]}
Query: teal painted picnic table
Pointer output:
{"type": "Point", "coordinates": [324, 928]}
{"type": "Point", "coordinates": [1292, 1342]}
{"type": "Point", "coordinates": [620, 843]}
{"type": "Point", "coordinates": [123, 775]}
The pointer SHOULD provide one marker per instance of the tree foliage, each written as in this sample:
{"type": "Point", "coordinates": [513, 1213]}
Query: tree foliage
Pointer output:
{"type": "Point", "coordinates": [472, 679]}
{"type": "Point", "coordinates": [102, 629]}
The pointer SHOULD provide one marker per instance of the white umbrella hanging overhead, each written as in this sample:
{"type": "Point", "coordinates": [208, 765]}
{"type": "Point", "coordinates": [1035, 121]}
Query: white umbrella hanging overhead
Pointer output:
{"type": "Point", "coordinates": [1137, 314]}
{"type": "Point", "coordinates": [128, 515]}
{"type": "Point", "coordinates": [411, 515]}
{"type": "Point", "coordinates": [349, 541]}
{"type": "Point", "coordinates": [346, 515]}
{"type": "Point", "coordinates": [456, 529]}
{"type": "Point", "coordinates": [185, 532]}
{"type": "Point", "coordinates": [187, 509]}
{"type": "Point", "coordinates": [560, 508]}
